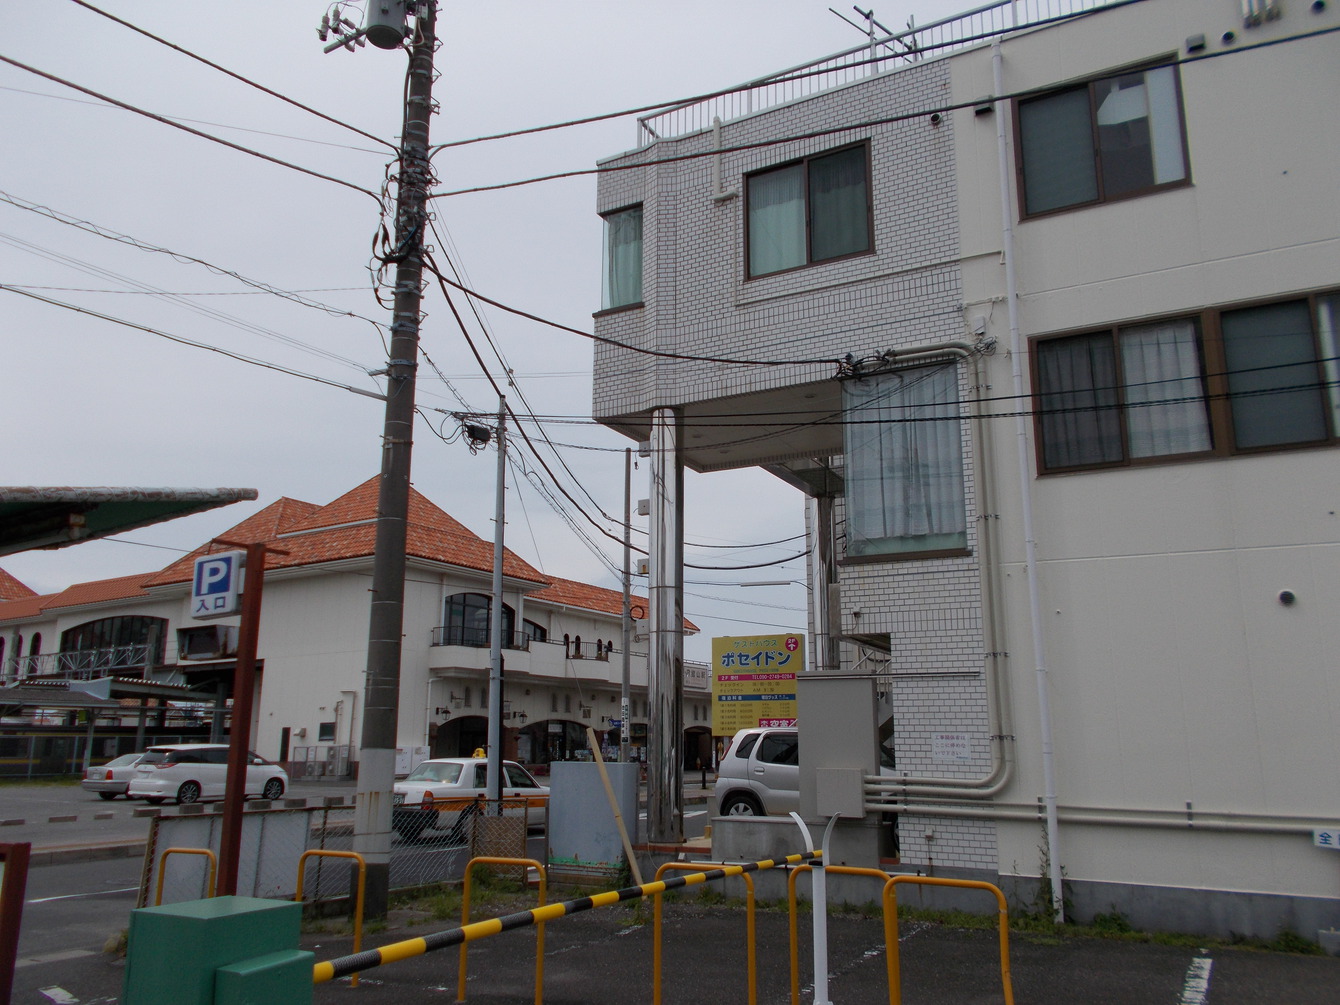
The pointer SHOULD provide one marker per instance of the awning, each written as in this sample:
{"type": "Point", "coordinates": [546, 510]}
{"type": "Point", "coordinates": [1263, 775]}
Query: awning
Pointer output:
{"type": "Point", "coordinates": [34, 517]}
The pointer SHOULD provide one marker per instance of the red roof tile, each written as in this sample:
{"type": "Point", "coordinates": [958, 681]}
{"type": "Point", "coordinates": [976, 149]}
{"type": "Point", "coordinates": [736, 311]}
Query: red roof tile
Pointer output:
{"type": "Point", "coordinates": [346, 528]}
{"type": "Point", "coordinates": [593, 598]}
{"type": "Point", "coordinates": [12, 589]}
{"type": "Point", "coordinates": [97, 592]}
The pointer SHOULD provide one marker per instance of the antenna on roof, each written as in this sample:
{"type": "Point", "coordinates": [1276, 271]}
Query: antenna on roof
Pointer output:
{"type": "Point", "coordinates": [868, 29]}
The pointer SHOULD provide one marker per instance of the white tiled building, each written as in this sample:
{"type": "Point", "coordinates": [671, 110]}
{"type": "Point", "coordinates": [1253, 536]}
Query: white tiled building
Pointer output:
{"type": "Point", "coordinates": [562, 656]}
{"type": "Point", "coordinates": [1070, 467]}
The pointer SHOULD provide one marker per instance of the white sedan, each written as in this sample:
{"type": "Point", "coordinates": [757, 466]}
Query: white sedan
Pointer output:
{"type": "Point", "coordinates": [442, 792]}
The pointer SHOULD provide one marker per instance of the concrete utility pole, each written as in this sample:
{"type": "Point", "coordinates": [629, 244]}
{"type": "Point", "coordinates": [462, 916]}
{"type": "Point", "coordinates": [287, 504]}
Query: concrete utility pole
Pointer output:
{"type": "Point", "coordinates": [494, 776]}
{"type": "Point", "coordinates": [376, 764]}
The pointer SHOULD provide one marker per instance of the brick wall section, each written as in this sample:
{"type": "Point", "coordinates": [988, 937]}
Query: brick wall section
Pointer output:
{"type": "Point", "coordinates": [698, 301]}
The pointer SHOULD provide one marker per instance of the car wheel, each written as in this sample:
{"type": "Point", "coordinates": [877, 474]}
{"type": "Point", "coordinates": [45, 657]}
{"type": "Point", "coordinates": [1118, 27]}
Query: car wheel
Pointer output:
{"type": "Point", "coordinates": [739, 805]}
{"type": "Point", "coordinates": [107, 795]}
{"type": "Point", "coordinates": [188, 793]}
{"type": "Point", "coordinates": [154, 800]}
{"type": "Point", "coordinates": [409, 830]}
{"type": "Point", "coordinates": [274, 789]}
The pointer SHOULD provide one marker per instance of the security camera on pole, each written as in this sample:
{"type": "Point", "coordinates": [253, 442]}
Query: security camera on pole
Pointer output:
{"type": "Point", "coordinates": [386, 27]}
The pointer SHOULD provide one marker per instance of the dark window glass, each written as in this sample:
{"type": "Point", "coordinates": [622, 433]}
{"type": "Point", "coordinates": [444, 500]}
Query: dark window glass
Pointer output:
{"type": "Point", "coordinates": [743, 748]}
{"type": "Point", "coordinates": [779, 748]}
{"type": "Point", "coordinates": [1273, 382]}
{"type": "Point", "coordinates": [466, 620]}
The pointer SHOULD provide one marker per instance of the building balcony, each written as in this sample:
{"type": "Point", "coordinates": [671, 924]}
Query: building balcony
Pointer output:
{"type": "Point", "coordinates": [84, 664]}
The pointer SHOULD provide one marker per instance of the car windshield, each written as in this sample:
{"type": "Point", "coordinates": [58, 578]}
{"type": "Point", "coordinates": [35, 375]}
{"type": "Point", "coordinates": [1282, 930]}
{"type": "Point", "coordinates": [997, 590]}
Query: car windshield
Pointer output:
{"type": "Point", "coordinates": [156, 757]}
{"type": "Point", "coordinates": [428, 771]}
{"type": "Point", "coordinates": [122, 761]}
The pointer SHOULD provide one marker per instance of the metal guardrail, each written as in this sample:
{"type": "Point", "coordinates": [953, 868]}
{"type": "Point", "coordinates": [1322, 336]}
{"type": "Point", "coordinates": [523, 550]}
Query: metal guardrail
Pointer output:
{"type": "Point", "coordinates": [750, 929]}
{"type": "Point", "coordinates": [343, 966]}
{"type": "Point", "coordinates": [465, 918]}
{"type": "Point", "coordinates": [162, 868]}
{"type": "Point", "coordinates": [358, 902]}
{"type": "Point", "coordinates": [877, 56]}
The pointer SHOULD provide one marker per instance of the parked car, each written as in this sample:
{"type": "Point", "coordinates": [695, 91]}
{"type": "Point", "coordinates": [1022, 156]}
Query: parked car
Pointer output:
{"type": "Point", "coordinates": [442, 793]}
{"type": "Point", "coordinates": [110, 780]}
{"type": "Point", "coordinates": [190, 772]}
{"type": "Point", "coordinates": [759, 773]}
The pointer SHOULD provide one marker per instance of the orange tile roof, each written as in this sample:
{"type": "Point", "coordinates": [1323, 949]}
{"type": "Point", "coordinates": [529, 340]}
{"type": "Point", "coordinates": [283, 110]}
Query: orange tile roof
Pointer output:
{"type": "Point", "coordinates": [346, 528]}
{"type": "Point", "coordinates": [12, 589]}
{"type": "Point", "coordinates": [97, 592]}
{"type": "Point", "coordinates": [593, 598]}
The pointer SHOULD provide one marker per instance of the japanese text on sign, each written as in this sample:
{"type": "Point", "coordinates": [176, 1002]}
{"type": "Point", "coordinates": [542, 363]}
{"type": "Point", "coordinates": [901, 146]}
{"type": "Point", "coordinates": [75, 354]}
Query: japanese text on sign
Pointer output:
{"type": "Point", "coordinates": [754, 681]}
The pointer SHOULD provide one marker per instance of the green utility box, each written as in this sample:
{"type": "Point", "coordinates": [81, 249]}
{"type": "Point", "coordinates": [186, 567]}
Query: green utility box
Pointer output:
{"type": "Point", "coordinates": [176, 950]}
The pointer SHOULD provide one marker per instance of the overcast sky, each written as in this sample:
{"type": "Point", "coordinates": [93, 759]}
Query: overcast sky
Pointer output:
{"type": "Point", "coordinates": [87, 401]}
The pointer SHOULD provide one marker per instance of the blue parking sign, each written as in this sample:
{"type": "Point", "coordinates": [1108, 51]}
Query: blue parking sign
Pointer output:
{"type": "Point", "coordinates": [216, 586]}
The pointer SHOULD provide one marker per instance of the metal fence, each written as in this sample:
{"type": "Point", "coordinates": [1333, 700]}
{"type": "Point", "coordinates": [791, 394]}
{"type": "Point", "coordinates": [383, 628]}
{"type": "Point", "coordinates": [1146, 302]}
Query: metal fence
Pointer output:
{"type": "Point", "coordinates": [884, 52]}
{"type": "Point", "coordinates": [274, 839]}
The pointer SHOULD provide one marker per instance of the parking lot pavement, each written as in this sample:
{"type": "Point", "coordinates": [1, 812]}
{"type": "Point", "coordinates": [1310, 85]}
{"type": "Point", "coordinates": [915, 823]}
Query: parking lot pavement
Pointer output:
{"type": "Point", "coordinates": [607, 954]}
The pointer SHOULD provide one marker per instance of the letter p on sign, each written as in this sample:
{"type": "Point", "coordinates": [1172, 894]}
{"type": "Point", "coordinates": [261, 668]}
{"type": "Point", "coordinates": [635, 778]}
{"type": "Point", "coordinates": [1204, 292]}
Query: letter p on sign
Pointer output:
{"type": "Point", "coordinates": [216, 587]}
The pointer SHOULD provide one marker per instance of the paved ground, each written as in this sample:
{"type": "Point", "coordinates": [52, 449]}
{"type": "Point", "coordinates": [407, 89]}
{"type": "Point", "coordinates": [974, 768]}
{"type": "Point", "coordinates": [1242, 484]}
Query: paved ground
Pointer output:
{"type": "Point", "coordinates": [607, 953]}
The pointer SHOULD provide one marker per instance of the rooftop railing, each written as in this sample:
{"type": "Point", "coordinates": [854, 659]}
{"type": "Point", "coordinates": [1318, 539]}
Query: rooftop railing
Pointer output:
{"type": "Point", "coordinates": [879, 55]}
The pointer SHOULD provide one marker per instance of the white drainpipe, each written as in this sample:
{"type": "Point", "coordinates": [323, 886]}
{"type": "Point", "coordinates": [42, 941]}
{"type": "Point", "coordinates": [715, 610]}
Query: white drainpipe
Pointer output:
{"type": "Point", "coordinates": [1026, 491]}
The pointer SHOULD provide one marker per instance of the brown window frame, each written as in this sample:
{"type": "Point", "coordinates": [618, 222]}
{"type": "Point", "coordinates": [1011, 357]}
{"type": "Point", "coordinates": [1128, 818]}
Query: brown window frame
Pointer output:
{"type": "Point", "coordinates": [1214, 376]}
{"type": "Point", "coordinates": [1102, 198]}
{"type": "Point", "coordinates": [810, 261]}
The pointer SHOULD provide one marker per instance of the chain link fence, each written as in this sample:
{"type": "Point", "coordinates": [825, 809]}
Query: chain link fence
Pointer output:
{"type": "Point", "coordinates": [432, 849]}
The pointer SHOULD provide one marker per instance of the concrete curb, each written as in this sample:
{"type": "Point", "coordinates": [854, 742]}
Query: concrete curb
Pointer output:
{"type": "Point", "coordinates": [63, 854]}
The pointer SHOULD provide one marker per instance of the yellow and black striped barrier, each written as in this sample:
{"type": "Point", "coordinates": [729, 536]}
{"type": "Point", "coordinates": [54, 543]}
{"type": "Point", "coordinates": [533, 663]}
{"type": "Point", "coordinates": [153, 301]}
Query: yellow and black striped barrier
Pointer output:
{"type": "Point", "coordinates": [343, 966]}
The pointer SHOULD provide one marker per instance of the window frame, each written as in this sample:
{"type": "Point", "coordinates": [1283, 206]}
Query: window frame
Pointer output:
{"type": "Point", "coordinates": [805, 162]}
{"type": "Point", "coordinates": [1207, 323]}
{"type": "Point", "coordinates": [604, 260]}
{"type": "Point", "coordinates": [1089, 85]}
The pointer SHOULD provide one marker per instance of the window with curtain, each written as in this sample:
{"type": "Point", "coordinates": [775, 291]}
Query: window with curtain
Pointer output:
{"type": "Point", "coordinates": [904, 463]}
{"type": "Point", "coordinates": [1109, 139]}
{"type": "Point", "coordinates": [1143, 392]}
{"type": "Point", "coordinates": [812, 211]}
{"type": "Point", "coordinates": [621, 276]}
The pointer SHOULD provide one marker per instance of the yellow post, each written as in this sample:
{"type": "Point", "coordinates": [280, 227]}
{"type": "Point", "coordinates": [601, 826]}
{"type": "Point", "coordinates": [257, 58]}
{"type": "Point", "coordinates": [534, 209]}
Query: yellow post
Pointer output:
{"type": "Point", "coordinates": [890, 933]}
{"type": "Point", "coordinates": [162, 867]}
{"type": "Point", "coordinates": [358, 899]}
{"type": "Point", "coordinates": [749, 929]}
{"type": "Point", "coordinates": [539, 925]}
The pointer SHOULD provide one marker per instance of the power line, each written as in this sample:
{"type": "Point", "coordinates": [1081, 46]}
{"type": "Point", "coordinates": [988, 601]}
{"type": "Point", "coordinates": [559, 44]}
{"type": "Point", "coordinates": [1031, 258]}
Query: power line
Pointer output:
{"type": "Point", "coordinates": [187, 129]}
{"type": "Point", "coordinates": [868, 124]}
{"type": "Point", "coordinates": [238, 76]}
{"type": "Point", "coordinates": [190, 342]}
{"type": "Point", "coordinates": [112, 235]}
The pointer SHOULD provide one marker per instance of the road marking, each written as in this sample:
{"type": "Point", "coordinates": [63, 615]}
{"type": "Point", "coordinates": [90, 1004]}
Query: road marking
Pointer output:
{"type": "Point", "coordinates": [75, 896]}
{"type": "Point", "coordinates": [1196, 989]}
{"type": "Point", "coordinates": [59, 995]}
{"type": "Point", "coordinates": [60, 957]}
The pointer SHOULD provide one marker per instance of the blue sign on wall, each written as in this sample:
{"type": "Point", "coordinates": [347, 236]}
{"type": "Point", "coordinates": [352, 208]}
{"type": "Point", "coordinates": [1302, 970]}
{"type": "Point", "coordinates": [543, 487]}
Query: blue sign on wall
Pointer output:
{"type": "Point", "coordinates": [216, 587]}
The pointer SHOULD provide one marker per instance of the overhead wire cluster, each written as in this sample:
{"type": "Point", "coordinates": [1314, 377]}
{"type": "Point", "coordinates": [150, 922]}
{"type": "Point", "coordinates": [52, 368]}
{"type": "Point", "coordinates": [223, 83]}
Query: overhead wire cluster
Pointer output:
{"type": "Point", "coordinates": [535, 469]}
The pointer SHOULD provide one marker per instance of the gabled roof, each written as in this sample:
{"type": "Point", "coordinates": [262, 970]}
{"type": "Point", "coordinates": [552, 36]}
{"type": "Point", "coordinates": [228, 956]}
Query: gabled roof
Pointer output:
{"type": "Point", "coordinates": [97, 592]}
{"type": "Point", "coordinates": [12, 589]}
{"type": "Point", "coordinates": [571, 593]}
{"type": "Point", "coordinates": [347, 528]}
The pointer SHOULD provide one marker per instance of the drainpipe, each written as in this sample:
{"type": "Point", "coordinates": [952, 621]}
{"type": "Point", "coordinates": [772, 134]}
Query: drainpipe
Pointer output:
{"type": "Point", "coordinates": [1025, 489]}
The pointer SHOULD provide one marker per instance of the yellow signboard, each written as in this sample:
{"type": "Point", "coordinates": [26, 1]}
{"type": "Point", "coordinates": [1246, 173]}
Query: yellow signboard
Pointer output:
{"type": "Point", "coordinates": [754, 681]}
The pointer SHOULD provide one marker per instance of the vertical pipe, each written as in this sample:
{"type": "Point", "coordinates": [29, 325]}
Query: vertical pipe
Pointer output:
{"type": "Point", "coordinates": [1026, 493]}
{"type": "Point", "coordinates": [494, 783]}
{"type": "Point", "coordinates": [825, 655]}
{"type": "Point", "coordinates": [625, 726]}
{"type": "Point", "coordinates": [665, 821]}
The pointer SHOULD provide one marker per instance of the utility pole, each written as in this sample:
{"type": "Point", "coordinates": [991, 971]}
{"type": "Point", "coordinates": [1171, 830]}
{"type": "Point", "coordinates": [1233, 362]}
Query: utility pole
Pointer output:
{"type": "Point", "coordinates": [625, 724]}
{"type": "Point", "coordinates": [386, 28]}
{"type": "Point", "coordinates": [494, 775]}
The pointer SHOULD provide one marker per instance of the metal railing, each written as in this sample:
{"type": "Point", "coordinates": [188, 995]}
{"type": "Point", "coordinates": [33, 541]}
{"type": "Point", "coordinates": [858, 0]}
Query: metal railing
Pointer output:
{"type": "Point", "coordinates": [477, 638]}
{"type": "Point", "coordinates": [881, 54]}
{"type": "Point", "coordinates": [83, 664]}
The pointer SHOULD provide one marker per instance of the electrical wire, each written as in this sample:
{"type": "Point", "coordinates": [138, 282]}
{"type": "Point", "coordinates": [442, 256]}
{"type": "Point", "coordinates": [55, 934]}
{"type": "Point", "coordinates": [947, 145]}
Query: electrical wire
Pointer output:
{"type": "Point", "coordinates": [111, 235]}
{"type": "Point", "coordinates": [187, 129]}
{"type": "Point", "coordinates": [854, 126]}
{"type": "Point", "coordinates": [190, 342]}
{"type": "Point", "coordinates": [236, 76]}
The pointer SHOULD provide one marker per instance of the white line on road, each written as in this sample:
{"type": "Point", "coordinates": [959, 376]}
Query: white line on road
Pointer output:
{"type": "Point", "coordinates": [76, 896]}
{"type": "Point", "coordinates": [1196, 989]}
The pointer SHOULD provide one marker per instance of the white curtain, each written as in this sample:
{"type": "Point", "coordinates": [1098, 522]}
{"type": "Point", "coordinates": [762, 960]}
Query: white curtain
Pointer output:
{"type": "Point", "coordinates": [1165, 400]}
{"type": "Point", "coordinates": [622, 278]}
{"type": "Point", "coordinates": [777, 220]}
{"type": "Point", "coordinates": [904, 473]}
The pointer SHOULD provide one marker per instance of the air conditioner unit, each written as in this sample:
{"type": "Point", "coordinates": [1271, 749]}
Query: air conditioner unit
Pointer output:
{"type": "Point", "coordinates": [206, 642]}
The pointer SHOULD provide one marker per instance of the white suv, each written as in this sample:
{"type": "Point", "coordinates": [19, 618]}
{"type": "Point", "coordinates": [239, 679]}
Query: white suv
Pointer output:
{"type": "Point", "coordinates": [189, 772]}
{"type": "Point", "coordinates": [759, 774]}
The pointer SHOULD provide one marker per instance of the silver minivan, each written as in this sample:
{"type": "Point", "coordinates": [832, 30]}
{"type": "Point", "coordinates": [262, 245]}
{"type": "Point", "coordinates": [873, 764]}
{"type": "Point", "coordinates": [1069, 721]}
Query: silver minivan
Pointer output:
{"type": "Point", "coordinates": [190, 772]}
